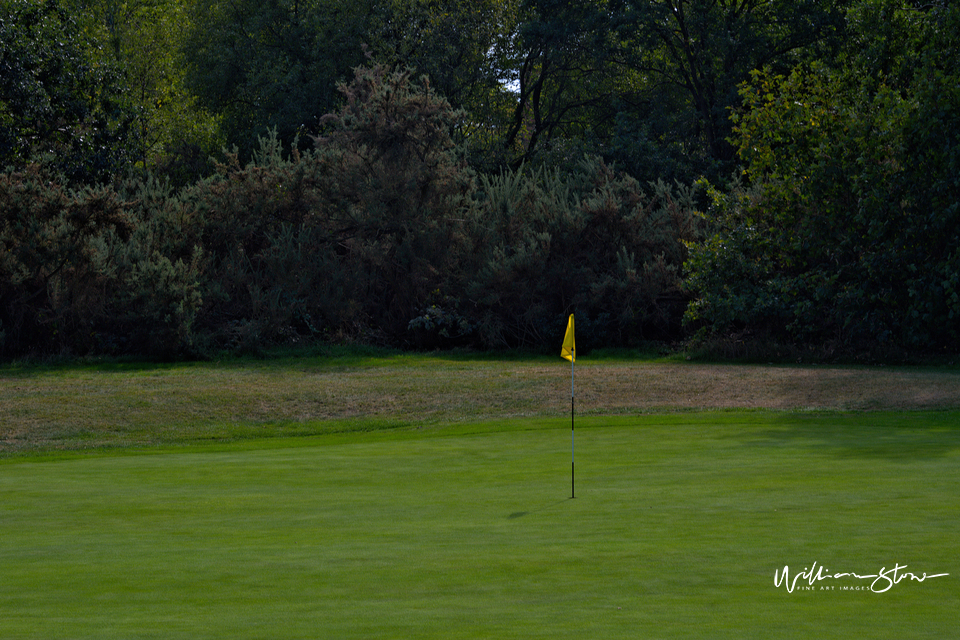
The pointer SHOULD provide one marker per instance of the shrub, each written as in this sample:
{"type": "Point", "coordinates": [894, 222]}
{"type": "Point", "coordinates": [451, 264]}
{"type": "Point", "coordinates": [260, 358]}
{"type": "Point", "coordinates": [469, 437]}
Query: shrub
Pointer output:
{"type": "Point", "coordinates": [592, 242]}
{"type": "Point", "coordinates": [159, 269]}
{"type": "Point", "coordinates": [348, 238]}
{"type": "Point", "coordinates": [91, 270]}
{"type": "Point", "coordinates": [51, 250]}
{"type": "Point", "coordinates": [397, 191]}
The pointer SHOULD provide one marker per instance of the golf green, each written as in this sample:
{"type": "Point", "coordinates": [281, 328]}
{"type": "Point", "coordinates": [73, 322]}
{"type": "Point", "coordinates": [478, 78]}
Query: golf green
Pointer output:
{"type": "Point", "coordinates": [681, 526]}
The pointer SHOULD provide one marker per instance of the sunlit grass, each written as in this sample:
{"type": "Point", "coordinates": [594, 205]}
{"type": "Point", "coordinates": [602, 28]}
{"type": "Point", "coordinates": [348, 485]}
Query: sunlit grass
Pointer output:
{"type": "Point", "coordinates": [679, 524]}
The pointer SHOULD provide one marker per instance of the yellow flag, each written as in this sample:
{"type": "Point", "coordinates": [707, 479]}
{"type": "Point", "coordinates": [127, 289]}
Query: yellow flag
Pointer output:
{"type": "Point", "coordinates": [569, 350]}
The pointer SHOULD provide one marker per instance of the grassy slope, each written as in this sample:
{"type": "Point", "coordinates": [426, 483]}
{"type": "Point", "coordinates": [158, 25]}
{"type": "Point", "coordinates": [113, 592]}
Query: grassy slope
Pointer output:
{"type": "Point", "coordinates": [81, 407]}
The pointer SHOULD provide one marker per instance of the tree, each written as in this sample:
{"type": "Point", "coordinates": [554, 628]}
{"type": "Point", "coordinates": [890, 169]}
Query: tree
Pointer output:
{"type": "Point", "coordinates": [353, 236]}
{"type": "Point", "coordinates": [649, 84]}
{"type": "Point", "coordinates": [566, 84]}
{"type": "Point", "coordinates": [58, 98]}
{"type": "Point", "coordinates": [465, 47]}
{"type": "Point", "coordinates": [398, 187]}
{"type": "Point", "coordinates": [275, 64]}
{"type": "Point", "coordinates": [144, 40]}
{"type": "Point", "coordinates": [848, 229]}
{"type": "Point", "coordinates": [692, 55]}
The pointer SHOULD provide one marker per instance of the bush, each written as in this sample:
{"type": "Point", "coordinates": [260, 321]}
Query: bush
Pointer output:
{"type": "Point", "coordinates": [591, 242]}
{"type": "Point", "coordinates": [159, 269]}
{"type": "Point", "coordinates": [378, 233]}
{"type": "Point", "coordinates": [348, 238]}
{"type": "Point", "coordinates": [91, 271]}
{"type": "Point", "coordinates": [51, 250]}
{"type": "Point", "coordinates": [397, 191]}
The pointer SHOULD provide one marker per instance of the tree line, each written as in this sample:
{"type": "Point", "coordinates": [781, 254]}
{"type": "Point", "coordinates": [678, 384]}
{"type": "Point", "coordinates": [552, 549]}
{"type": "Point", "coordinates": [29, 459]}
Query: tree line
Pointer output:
{"type": "Point", "coordinates": [187, 176]}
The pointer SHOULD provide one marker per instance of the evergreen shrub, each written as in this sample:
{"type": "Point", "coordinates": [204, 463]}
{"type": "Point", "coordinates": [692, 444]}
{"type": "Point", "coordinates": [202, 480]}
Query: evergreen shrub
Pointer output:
{"type": "Point", "coordinates": [380, 232]}
{"type": "Point", "coordinates": [591, 241]}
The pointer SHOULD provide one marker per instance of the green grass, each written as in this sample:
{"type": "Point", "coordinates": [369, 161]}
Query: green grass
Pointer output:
{"type": "Point", "coordinates": [468, 531]}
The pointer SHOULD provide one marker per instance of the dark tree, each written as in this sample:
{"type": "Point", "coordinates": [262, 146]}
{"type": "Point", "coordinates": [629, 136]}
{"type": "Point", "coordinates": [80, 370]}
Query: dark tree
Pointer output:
{"type": "Point", "coordinates": [58, 99]}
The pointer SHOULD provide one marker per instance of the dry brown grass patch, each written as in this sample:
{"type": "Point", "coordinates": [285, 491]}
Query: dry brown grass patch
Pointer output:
{"type": "Point", "coordinates": [90, 407]}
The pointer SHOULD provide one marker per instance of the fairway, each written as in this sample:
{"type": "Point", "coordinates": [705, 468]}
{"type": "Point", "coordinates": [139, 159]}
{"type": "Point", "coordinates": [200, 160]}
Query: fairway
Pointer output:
{"type": "Point", "coordinates": [679, 525]}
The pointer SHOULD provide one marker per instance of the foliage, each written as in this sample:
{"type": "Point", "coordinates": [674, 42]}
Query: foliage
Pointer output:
{"type": "Point", "coordinates": [399, 187]}
{"type": "Point", "coordinates": [144, 40]}
{"type": "Point", "coordinates": [698, 51]}
{"type": "Point", "coordinates": [849, 228]}
{"type": "Point", "coordinates": [564, 83]}
{"type": "Point", "coordinates": [533, 164]}
{"type": "Point", "coordinates": [88, 271]}
{"type": "Point", "coordinates": [378, 232]}
{"type": "Point", "coordinates": [49, 249]}
{"type": "Point", "coordinates": [467, 49]}
{"type": "Point", "coordinates": [649, 84]}
{"type": "Point", "coordinates": [591, 242]}
{"type": "Point", "coordinates": [274, 64]}
{"type": "Point", "coordinates": [346, 238]}
{"type": "Point", "coordinates": [263, 258]}
{"type": "Point", "coordinates": [159, 270]}
{"type": "Point", "coordinates": [58, 100]}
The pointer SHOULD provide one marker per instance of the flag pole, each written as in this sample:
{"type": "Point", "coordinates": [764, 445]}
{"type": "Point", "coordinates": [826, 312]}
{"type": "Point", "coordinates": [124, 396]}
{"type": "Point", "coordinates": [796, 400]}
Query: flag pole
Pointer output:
{"type": "Point", "coordinates": [569, 351]}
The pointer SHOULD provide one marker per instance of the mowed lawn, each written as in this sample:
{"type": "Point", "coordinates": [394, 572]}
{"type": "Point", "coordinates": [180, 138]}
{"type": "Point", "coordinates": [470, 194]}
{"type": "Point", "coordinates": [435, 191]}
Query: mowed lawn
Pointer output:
{"type": "Point", "coordinates": [679, 525]}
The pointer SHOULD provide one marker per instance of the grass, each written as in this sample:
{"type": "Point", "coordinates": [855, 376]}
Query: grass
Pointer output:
{"type": "Point", "coordinates": [457, 522]}
{"type": "Point", "coordinates": [50, 409]}
{"type": "Point", "coordinates": [679, 525]}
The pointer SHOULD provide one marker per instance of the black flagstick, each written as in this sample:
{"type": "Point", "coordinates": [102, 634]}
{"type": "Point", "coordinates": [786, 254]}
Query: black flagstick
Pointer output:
{"type": "Point", "coordinates": [572, 492]}
{"type": "Point", "coordinates": [569, 351]}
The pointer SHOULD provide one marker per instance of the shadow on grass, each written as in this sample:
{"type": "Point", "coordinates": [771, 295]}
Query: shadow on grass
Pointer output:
{"type": "Point", "coordinates": [901, 436]}
{"type": "Point", "coordinates": [315, 356]}
{"type": "Point", "coordinates": [318, 357]}
{"type": "Point", "coordinates": [552, 505]}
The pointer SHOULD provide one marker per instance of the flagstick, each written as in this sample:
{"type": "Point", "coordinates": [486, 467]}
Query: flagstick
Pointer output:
{"type": "Point", "coordinates": [569, 351]}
